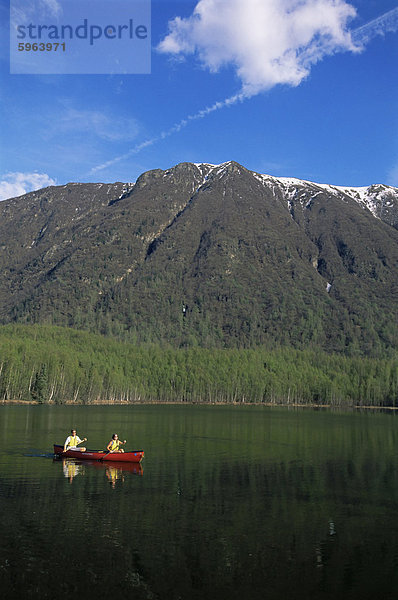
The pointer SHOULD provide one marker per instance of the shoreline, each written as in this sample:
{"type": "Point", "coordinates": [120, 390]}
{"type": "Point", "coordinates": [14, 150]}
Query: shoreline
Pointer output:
{"type": "Point", "coordinates": [203, 403]}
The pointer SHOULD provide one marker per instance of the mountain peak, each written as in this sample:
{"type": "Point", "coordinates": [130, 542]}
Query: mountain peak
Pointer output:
{"type": "Point", "coordinates": [254, 259]}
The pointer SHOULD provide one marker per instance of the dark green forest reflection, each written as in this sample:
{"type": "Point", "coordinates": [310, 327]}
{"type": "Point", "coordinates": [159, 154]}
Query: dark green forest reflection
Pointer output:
{"type": "Point", "coordinates": [233, 502]}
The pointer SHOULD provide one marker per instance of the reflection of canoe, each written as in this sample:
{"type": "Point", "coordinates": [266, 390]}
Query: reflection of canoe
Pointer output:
{"type": "Point", "coordinates": [135, 456]}
{"type": "Point", "coordinates": [125, 467]}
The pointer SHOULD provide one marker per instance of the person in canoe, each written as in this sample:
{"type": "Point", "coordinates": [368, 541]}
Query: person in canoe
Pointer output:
{"type": "Point", "coordinates": [72, 442]}
{"type": "Point", "coordinates": [114, 444]}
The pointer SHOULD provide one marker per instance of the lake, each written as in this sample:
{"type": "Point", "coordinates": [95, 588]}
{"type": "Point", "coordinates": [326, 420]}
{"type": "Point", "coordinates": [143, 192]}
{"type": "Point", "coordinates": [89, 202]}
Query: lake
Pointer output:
{"type": "Point", "coordinates": [232, 502]}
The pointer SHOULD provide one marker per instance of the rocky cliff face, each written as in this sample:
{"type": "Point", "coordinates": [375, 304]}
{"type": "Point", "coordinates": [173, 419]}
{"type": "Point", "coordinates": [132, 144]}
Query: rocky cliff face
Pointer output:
{"type": "Point", "coordinates": [208, 254]}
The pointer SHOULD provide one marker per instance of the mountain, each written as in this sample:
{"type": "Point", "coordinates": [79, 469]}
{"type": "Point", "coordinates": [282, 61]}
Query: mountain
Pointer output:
{"type": "Point", "coordinates": [205, 254]}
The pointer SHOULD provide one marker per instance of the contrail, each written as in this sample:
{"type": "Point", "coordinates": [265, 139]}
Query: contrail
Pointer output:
{"type": "Point", "coordinates": [386, 23]}
{"type": "Point", "coordinates": [173, 129]}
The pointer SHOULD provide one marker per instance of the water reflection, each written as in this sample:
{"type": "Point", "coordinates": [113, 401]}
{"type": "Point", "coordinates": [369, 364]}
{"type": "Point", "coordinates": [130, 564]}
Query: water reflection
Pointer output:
{"type": "Point", "coordinates": [324, 547]}
{"type": "Point", "coordinates": [115, 472]}
{"type": "Point", "coordinates": [237, 504]}
{"type": "Point", "coordinates": [71, 468]}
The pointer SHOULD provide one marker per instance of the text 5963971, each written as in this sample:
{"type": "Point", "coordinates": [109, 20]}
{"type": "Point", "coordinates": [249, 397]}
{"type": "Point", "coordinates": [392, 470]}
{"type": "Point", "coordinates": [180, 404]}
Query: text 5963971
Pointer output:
{"type": "Point", "coordinates": [42, 47]}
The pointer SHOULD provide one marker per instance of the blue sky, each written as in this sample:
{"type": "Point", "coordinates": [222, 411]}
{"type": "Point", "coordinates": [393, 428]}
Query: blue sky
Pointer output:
{"type": "Point", "coordinates": [308, 99]}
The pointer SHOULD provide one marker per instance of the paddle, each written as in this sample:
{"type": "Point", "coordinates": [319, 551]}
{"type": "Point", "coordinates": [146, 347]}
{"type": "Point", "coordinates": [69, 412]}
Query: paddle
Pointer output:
{"type": "Point", "coordinates": [106, 454]}
{"type": "Point", "coordinates": [110, 451]}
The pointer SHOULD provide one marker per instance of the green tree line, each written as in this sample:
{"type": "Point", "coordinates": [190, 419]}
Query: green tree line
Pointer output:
{"type": "Point", "coordinates": [49, 364]}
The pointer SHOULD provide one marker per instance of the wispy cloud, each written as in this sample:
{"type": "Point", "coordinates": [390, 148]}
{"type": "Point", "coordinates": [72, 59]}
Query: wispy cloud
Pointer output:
{"type": "Point", "coordinates": [52, 6]}
{"type": "Point", "coordinates": [20, 10]}
{"type": "Point", "coordinates": [172, 130]}
{"type": "Point", "coordinates": [268, 42]}
{"type": "Point", "coordinates": [387, 23]}
{"type": "Point", "coordinates": [96, 123]}
{"type": "Point", "coordinates": [17, 184]}
{"type": "Point", "coordinates": [392, 178]}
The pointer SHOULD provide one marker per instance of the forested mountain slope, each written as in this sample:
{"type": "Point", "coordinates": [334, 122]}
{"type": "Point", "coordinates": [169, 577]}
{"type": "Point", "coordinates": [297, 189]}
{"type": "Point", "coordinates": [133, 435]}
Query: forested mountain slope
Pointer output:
{"type": "Point", "coordinates": [207, 255]}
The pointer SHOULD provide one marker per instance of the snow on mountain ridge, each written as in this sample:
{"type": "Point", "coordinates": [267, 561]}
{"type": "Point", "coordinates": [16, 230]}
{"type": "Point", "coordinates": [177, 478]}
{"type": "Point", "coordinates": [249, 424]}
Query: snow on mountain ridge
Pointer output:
{"type": "Point", "coordinates": [367, 196]}
{"type": "Point", "coordinates": [377, 198]}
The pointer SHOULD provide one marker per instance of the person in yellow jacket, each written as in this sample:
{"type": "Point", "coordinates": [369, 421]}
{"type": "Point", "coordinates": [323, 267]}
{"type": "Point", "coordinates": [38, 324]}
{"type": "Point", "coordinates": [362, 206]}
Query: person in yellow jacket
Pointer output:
{"type": "Point", "coordinates": [114, 444]}
{"type": "Point", "coordinates": [72, 442]}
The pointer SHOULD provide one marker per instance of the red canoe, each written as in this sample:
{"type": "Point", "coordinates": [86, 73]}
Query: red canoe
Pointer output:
{"type": "Point", "coordinates": [135, 456]}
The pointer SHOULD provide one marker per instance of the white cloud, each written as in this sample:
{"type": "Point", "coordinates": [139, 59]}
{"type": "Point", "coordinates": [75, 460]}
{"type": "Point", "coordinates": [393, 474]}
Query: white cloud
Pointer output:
{"type": "Point", "coordinates": [17, 184]}
{"type": "Point", "coordinates": [268, 42]}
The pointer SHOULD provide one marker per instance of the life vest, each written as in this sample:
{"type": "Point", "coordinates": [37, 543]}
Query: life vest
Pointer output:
{"type": "Point", "coordinates": [113, 473]}
{"type": "Point", "coordinates": [72, 442]}
{"type": "Point", "coordinates": [115, 445]}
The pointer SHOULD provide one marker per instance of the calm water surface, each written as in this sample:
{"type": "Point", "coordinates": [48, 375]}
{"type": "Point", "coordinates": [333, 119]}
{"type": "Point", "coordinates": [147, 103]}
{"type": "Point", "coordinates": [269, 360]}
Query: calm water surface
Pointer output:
{"type": "Point", "coordinates": [231, 503]}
